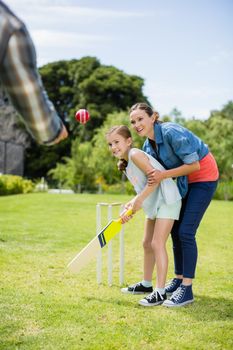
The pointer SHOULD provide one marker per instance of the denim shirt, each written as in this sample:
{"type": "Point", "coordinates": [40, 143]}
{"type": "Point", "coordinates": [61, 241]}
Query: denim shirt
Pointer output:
{"type": "Point", "coordinates": [176, 146]}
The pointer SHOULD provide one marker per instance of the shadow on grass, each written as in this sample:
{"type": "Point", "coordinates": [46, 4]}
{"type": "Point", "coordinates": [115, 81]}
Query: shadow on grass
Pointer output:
{"type": "Point", "coordinates": [207, 308]}
{"type": "Point", "coordinates": [203, 309]}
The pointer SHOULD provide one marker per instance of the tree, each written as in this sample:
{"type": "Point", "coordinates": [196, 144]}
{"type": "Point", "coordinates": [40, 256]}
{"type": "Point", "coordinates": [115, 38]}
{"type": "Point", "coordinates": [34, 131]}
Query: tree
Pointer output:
{"type": "Point", "coordinates": [75, 84]}
{"type": "Point", "coordinates": [198, 127]}
{"type": "Point", "coordinates": [220, 140]}
{"type": "Point", "coordinates": [91, 162]}
{"type": "Point", "coordinates": [76, 172]}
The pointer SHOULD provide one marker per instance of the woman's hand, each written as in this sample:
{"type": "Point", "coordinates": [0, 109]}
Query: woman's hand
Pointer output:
{"type": "Point", "coordinates": [155, 177]}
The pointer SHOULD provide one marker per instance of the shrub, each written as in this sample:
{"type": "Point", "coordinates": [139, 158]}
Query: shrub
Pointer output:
{"type": "Point", "coordinates": [119, 188]}
{"type": "Point", "coordinates": [224, 191]}
{"type": "Point", "coordinates": [13, 184]}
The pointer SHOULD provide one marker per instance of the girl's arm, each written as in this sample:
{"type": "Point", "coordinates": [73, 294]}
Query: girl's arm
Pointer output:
{"type": "Point", "coordinates": [142, 162]}
{"type": "Point", "coordinates": [156, 176]}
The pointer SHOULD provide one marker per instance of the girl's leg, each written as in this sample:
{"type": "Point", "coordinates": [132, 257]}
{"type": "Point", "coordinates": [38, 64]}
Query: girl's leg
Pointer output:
{"type": "Point", "coordinates": [145, 286]}
{"type": "Point", "coordinates": [149, 257]}
{"type": "Point", "coordinates": [162, 229]}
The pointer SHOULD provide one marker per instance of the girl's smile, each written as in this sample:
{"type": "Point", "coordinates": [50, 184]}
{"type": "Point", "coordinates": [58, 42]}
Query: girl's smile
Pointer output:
{"type": "Point", "coordinates": [119, 146]}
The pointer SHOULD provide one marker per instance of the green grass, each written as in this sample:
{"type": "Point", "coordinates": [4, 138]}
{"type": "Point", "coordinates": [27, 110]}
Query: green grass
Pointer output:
{"type": "Point", "coordinates": [44, 306]}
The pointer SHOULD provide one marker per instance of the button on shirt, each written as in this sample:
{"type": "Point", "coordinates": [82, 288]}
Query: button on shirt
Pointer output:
{"type": "Point", "coordinates": [176, 146]}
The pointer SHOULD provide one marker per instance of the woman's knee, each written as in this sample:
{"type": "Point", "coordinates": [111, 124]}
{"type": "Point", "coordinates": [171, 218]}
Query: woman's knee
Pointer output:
{"type": "Point", "coordinates": [187, 236]}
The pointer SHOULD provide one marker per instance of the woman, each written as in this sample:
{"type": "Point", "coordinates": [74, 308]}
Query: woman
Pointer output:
{"type": "Point", "coordinates": [187, 158]}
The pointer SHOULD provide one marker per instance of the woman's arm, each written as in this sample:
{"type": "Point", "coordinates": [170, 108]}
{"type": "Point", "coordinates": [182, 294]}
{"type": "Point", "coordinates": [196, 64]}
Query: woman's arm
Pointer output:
{"type": "Point", "coordinates": [156, 176]}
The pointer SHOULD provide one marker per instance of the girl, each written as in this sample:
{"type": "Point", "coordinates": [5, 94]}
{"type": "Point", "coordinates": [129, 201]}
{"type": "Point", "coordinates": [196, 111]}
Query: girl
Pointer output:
{"type": "Point", "coordinates": [187, 158]}
{"type": "Point", "coordinates": [161, 204]}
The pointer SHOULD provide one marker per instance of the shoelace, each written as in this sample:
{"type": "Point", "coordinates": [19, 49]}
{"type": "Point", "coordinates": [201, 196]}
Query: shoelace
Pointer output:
{"type": "Point", "coordinates": [135, 286]}
{"type": "Point", "coordinates": [155, 294]}
{"type": "Point", "coordinates": [178, 294]}
{"type": "Point", "coordinates": [172, 283]}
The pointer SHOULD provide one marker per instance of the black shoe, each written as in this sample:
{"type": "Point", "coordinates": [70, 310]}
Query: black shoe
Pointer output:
{"type": "Point", "coordinates": [137, 288]}
{"type": "Point", "coordinates": [155, 298]}
{"type": "Point", "coordinates": [172, 286]}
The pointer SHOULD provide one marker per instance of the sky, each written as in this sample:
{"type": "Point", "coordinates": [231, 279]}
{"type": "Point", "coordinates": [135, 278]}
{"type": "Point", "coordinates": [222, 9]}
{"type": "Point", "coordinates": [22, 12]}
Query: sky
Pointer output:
{"type": "Point", "coordinates": [183, 49]}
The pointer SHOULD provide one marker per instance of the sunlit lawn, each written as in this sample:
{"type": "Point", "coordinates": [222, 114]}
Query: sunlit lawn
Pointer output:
{"type": "Point", "coordinates": [44, 306]}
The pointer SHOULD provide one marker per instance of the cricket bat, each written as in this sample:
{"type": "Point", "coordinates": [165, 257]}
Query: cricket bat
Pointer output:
{"type": "Point", "coordinates": [90, 251]}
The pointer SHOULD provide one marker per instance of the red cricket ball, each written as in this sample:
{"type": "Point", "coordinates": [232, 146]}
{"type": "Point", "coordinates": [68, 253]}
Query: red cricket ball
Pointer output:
{"type": "Point", "coordinates": [82, 116]}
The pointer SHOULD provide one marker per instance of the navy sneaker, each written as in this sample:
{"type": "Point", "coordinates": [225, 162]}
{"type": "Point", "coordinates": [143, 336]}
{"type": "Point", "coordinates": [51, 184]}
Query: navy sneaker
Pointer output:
{"type": "Point", "coordinates": [172, 286]}
{"type": "Point", "coordinates": [182, 296]}
{"type": "Point", "coordinates": [155, 298]}
{"type": "Point", "coordinates": [137, 288]}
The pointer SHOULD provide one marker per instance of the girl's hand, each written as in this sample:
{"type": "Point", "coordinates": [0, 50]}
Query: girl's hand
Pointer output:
{"type": "Point", "coordinates": [128, 205]}
{"type": "Point", "coordinates": [154, 177]}
{"type": "Point", "coordinates": [126, 218]}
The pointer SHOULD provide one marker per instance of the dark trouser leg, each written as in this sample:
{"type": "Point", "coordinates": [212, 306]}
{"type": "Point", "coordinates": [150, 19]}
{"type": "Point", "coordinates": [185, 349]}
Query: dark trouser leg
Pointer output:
{"type": "Point", "coordinates": [177, 248]}
{"type": "Point", "coordinates": [183, 233]}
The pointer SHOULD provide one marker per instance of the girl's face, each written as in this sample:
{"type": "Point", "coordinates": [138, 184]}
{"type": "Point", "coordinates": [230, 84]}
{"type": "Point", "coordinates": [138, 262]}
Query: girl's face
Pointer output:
{"type": "Point", "coordinates": [142, 123]}
{"type": "Point", "coordinates": [119, 145]}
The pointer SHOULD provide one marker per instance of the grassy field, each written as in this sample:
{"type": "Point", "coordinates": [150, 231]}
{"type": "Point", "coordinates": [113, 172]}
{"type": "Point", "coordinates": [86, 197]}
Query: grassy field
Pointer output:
{"type": "Point", "coordinates": [44, 306]}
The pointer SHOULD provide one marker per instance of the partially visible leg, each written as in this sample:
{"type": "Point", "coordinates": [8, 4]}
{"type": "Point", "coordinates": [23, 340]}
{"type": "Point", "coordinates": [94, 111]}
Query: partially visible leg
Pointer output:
{"type": "Point", "coordinates": [162, 230]}
{"type": "Point", "coordinates": [145, 286]}
{"type": "Point", "coordinates": [177, 247]}
{"type": "Point", "coordinates": [149, 257]}
{"type": "Point", "coordinates": [198, 200]}
{"type": "Point", "coordinates": [173, 284]}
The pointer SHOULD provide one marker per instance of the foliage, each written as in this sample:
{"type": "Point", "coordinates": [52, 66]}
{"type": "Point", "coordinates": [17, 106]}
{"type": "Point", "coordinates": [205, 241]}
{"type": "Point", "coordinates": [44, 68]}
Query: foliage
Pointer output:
{"type": "Point", "coordinates": [76, 172]}
{"type": "Point", "coordinates": [13, 184]}
{"type": "Point", "coordinates": [224, 191]}
{"type": "Point", "coordinates": [217, 132]}
{"type": "Point", "coordinates": [123, 187]}
{"type": "Point", "coordinates": [44, 306]}
{"type": "Point", "coordinates": [198, 127]}
{"type": "Point", "coordinates": [219, 138]}
{"type": "Point", "coordinates": [84, 83]}
{"type": "Point", "coordinates": [91, 163]}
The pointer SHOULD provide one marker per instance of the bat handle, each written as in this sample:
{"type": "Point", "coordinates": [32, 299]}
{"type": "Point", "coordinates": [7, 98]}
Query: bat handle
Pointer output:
{"type": "Point", "coordinates": [127, 213]}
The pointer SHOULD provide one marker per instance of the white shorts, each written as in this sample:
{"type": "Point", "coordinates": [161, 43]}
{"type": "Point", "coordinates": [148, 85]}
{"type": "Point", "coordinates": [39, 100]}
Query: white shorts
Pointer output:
{"type": "Point", "coordinates": [166, 211]}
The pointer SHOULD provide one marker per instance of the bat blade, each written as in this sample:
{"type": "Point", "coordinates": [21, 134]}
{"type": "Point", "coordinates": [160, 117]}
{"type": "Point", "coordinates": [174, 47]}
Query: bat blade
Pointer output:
{"type": "Point", "coordinates": [85, 255]}
{"type": "Point", "coordinates": [90, 251]}
{"type": "Point", "coordinates": [109, 232]}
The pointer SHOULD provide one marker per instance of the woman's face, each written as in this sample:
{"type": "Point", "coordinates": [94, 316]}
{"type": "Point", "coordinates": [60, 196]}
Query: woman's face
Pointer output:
{"type": "Point", "coordinates": [119, 145]}
{"type": "Point", "coordinates": [142, 123]}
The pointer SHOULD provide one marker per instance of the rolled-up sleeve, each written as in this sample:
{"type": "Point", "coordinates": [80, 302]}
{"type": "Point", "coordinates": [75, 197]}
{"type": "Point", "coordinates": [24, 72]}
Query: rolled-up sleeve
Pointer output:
{"type": "Point", "coordinates": [22, 82]}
